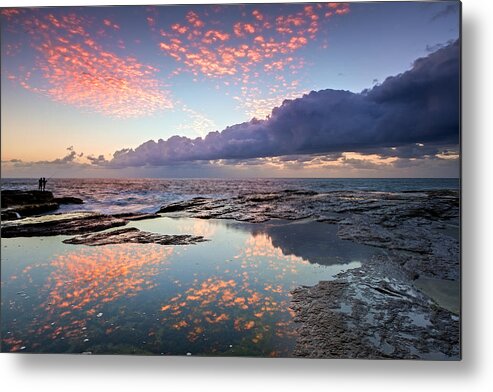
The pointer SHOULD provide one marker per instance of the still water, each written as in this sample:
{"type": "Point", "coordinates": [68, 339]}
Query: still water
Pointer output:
{"type": "Point", "coordinates": [227, 296]}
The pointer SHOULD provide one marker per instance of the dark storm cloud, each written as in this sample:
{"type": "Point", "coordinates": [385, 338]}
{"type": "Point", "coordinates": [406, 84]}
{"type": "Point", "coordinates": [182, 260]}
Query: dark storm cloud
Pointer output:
{"type": "Point", "coordinates": [417, 106]}
{"type": "Point", "coordinates": [415, 150]}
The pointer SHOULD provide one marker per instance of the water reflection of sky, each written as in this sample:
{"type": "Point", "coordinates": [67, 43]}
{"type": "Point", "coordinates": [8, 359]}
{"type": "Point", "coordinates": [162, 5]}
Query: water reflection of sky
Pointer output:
{"type": "Point", "coordinates": [227, 296]}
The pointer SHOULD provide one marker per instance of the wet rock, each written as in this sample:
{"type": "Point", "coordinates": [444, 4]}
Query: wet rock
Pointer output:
{"type": "Point", "coordinates": [383, 206]}
{"type": "Point", "coordinates": [323, 332]}
{"type": "Point", "coordinates": [69, 223]}
{"type": "Point", "coordinates": [262, 197]}
{"type": "Point", "coordinates": [183, 205]}
{"type": "Point", "coordinates": [9, 215]}
{"type": "Point", "coordinates": [17, 212]}
{"type": "Point", "coordinates": [60, 224]}
{"type": "Point", "coordinates": [133, 235]}
{"type": "Point", "coordinates": [19, 198]}
{"type": "Point", "coordinates": [135, 216]}
{"type": "Point", "coordinates": [68, 200]}
{"type": "Point", "coordinates": [17, 204]}
{"type": "Point", "coordinates": [300, 192]}
{"type": "Point", "coordinates": [247, 208]}
{"type": "Point", "coordinates": [417, 244]}
{"type": "Point", "coordinates": [372, 312]}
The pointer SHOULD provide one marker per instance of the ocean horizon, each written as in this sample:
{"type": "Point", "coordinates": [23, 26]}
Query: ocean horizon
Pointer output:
{"type": "Point", "coordinates": [114, 195]}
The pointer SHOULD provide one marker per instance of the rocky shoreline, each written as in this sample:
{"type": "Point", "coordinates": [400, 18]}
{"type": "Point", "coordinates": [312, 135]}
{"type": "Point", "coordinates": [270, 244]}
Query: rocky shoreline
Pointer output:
{"type": "Point", "coordinates": [21, 216]}
{"type": "Point", "coordinates": [376, 311]}
{"type": "Point", "coordinates": [18, 204]}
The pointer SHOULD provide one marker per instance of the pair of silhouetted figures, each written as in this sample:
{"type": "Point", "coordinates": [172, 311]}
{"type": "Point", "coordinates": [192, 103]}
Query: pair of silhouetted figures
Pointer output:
{"type": "Point", "coordinates": [42, 184]}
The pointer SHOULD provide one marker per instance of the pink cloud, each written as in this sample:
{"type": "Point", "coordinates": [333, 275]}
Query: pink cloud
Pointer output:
{"type": "Point", "coordinates": [254, 43]}
{"type": "Point", "coordinates": [76, 70]}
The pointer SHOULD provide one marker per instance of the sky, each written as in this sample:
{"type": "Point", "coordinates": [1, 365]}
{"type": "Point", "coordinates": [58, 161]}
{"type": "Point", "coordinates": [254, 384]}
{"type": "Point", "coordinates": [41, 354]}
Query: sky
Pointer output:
{"type": "Point", "coordinates": [258, 90]}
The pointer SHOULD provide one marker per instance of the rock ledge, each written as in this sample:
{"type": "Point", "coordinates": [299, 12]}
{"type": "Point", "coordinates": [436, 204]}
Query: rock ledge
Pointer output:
{"type": "Point", "coordinates": [134, 236]}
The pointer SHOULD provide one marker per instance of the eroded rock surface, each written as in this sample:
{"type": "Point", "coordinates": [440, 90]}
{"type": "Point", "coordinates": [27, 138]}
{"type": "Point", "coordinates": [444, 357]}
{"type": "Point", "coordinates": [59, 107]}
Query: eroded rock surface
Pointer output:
{"type": "Point", "coordinates": [136, 216]}
{"type": "Point", "coordinates": [68, 200]}
{"type": "Point", "coordinates": [69, 223]}
{"type": "Point", "coordinates": [17, 204]}
{"type": "Point", "coordinates": [133, 235]}
{"type": "Point", "coordinates": [19, 198]}
{"type": "Point", "coordinates": [372, 312]}
{"type": "Point", "coordinates": [18, 212]}
{"type": "Point", "coordinates": [58, 224]}
{"type": "Point", "coordinates": [334, 206]}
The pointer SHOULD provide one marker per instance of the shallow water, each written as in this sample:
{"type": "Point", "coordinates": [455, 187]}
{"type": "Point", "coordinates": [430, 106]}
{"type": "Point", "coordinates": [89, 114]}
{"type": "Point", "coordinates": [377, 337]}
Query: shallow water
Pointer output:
{"type": "Point", "coordinates": [226, 296]}
{"type": "Point", "coordinates": [446, 293]}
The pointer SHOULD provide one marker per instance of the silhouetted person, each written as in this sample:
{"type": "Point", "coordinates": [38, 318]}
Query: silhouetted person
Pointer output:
{"type": "Point", "coordinates": [44, 183]}
{"type": "Point", "coordinates": [40, 184]}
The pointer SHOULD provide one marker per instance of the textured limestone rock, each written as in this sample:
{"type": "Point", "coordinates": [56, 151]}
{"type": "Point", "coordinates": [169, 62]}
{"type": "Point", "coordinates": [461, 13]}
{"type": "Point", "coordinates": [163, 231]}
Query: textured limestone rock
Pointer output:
{"type": "Point", "coordinates": [17, 204]}
{"type": "Point", "coordinates": [134, 236]}
{"type": "Point", "coordinates": [373, 312]}
{"type": "Point", "coordinates": [57, 224]}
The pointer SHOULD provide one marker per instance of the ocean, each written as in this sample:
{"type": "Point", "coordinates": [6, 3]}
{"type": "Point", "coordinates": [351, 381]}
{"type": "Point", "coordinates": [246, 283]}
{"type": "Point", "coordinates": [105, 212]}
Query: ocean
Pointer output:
{"type": "Point", "coordinates": [147, 195]}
